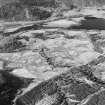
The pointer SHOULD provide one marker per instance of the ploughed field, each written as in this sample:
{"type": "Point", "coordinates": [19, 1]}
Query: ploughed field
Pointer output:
{"type": "Point", "coordinates": [58, 61]}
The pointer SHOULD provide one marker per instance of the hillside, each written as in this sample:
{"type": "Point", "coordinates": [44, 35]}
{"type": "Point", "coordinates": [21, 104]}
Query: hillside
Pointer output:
{"type": "Point", "coordinates": [84, 3]}
{"type": "Point", "coordinates": [16, 10]}
{"type": "Point", "coordinates": [23, 10]}
{"type": "Point", "coordinates": [52, 52]}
